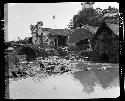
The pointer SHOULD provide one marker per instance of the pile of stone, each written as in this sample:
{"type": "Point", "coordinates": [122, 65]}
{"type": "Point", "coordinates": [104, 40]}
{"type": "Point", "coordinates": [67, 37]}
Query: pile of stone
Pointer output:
{"type": "Point", "coordinates": [51, 64]}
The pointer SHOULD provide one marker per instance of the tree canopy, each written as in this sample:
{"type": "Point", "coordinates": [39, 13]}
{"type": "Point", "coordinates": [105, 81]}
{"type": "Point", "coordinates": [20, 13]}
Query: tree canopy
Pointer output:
{"type": "Point", "coordinates": [85, 17]}
{"type": "Point", "coordinates": [89, 16]}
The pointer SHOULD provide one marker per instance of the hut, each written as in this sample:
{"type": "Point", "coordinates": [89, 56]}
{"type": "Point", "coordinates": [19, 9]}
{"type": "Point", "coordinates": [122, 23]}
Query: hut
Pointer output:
{"type": "Point", "coordinates": [105, 43]}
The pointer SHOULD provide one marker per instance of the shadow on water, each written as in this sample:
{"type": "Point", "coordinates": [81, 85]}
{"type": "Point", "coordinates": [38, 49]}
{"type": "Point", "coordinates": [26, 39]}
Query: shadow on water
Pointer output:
{"type": "Point", "coordinates": [89, 79]}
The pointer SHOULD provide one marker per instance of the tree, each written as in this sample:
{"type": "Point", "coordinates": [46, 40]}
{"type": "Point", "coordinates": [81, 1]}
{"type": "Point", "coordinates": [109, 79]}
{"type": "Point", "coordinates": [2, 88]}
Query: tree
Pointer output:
{"type": "Point", "coordinates": [112, 13]}
{"type": "Point", "coordinates": [87, 16]}
{"type": "Point", "coordinates": [110, 10]}
{"type": "Point", "coordinates": [35, 28]}
{"type": "Point", "coordinates": [90, 16]}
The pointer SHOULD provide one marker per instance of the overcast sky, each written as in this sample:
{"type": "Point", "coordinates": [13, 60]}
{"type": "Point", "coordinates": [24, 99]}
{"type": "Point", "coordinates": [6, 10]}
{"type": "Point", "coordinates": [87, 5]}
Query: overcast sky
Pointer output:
{"type": "Point", "coordinates": [22, 15]}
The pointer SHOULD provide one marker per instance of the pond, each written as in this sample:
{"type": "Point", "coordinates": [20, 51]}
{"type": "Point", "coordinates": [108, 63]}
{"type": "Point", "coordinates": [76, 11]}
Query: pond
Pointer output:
{"type": "Point", "coordinates": [69, 85]}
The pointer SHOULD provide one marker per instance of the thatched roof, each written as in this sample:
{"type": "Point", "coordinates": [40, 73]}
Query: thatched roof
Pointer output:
{"type": "Point", "coordinates": [82, 33]}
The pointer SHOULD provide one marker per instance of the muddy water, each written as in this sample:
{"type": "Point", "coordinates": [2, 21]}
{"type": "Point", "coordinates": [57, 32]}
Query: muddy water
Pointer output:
{"type": "Point", "coordinates": [75, 85]}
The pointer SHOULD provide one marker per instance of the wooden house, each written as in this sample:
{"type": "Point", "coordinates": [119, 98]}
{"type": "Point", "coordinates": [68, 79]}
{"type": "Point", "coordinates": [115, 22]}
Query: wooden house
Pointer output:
{"type": "Point", "coordinates": [105, 43]}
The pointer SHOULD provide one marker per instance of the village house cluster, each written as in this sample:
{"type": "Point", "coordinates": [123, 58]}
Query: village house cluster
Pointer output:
{"type": "Point", "coordinates": [86, 43]}
{"type": "Point", "coordinates": [102, 41]}
{"type": "Point", "coordinates": [48, 37]}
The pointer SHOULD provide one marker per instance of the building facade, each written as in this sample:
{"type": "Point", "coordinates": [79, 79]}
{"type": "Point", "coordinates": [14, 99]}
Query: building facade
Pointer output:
{"type": "Point", "coordinates": [47, 37]}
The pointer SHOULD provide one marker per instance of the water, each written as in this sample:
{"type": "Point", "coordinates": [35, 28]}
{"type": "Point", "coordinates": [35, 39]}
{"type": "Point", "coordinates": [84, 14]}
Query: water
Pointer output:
{"type": "Point", "coordinates": [75, 85]}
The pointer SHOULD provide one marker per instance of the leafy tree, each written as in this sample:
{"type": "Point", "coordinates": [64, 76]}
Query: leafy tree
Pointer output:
{"type": "Point", "coordinates": [34, 28]}
{"type": "Point", "coordinates": [90, 16]}
{"type": "Point", "coordinates": [87, 16]}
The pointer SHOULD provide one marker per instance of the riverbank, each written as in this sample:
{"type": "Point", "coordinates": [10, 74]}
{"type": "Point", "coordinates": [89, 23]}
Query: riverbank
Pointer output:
{"type": "Point", "coordinates": [55, 65]}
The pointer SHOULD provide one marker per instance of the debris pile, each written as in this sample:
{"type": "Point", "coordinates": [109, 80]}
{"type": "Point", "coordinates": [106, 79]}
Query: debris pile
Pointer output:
{"type": "Point", "coordinates": [53, 65]}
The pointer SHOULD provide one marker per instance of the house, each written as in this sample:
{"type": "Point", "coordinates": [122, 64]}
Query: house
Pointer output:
{"type": "Point", "coordinates": [47, 37]}
{"type": "Point", "coordinates": [81, 37]}
{"type": "Point", "coordinates": [105, 43]}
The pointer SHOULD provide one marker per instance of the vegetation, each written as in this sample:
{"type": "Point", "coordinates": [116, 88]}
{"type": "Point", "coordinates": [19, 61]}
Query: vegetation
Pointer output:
{"type": "Point", "coordinates": [90, 17]}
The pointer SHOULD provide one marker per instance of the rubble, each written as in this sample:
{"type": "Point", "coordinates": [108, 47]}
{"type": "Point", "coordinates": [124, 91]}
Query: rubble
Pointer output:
{"type": "Point", "coordinates": [53, 65]}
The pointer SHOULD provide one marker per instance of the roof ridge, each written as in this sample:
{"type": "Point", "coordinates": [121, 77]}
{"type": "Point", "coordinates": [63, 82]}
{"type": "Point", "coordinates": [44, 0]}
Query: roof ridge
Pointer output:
{"type": "Point", "coordinates": [90, 29]}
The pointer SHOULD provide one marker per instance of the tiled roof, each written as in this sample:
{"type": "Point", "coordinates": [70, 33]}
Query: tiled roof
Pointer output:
{"type": "Point", "coordinates": [91, 28]}
{"type": "Point", "coordinates": [82, 33]}
{"type": "Point", "coordinates": [114, 28]}
{"type": "Point", "coordinates": [64, 32]}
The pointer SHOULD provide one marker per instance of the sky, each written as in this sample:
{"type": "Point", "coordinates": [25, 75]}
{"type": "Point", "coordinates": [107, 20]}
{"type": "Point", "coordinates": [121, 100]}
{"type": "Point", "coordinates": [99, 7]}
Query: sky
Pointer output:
{"type": "Point", "coordinates": [22, 15]}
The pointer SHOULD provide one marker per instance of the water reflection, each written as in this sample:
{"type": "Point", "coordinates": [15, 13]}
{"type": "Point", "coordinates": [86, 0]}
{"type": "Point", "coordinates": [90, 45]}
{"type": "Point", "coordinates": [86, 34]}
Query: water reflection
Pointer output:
{"type": "Point", "coordinates": [87, 79]}
{"type": "Point", "coordinates": [90, 79]}
{"type": "Point", "coordinates": [77, 85]}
